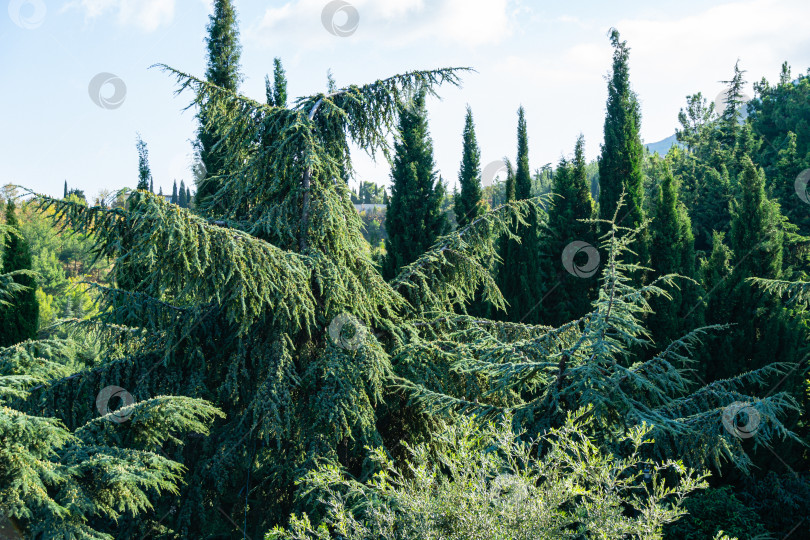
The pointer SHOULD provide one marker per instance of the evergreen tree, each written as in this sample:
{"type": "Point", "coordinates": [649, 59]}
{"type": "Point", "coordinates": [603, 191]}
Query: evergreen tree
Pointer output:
{"type": "Point", "coordinates": [782, 187]}
{"type": "Point", "coordinates": [188, 197]}
{"type": "Point", "coordinates": [414, 218]}
{"type": "Point", "coordinates": [519, 279]}
{"type": "Point", "coordinates": [279, 315]}
{"type": "Point", "coordinates": [468, 204]}
{"type": "Point", "coordinates": [151, 185]}
{"type": "Point", "coordinates": [734, 112]}
{"type": "Point", "coordinates": [779, 111]}
{"type": "Point", "coordinates": [762, 330]}
{"type": "Point", "coordinates": [279, 84]}
{"type": "Point", "coordinates": [64, 196]}
{"type": "Point", "coordinates": [144, 174]}
{"type": "Point", "coordinates": [265, 312]}
{"type": "Point", "coordinates": [182, 201]}
{"type": "Point", "coordinates": [80, 483]}
{"type": "Point", "coordinates": [509, 184]}
{"type": "Point", "coordinates": [175, 200]}
{"type": "Point", "coordinates": [523, 177]}
{"type": "Point", "coordinates": [620, 165]}
{"type": "Point", "coordinates": [19, 315]}
{"type": "Point", "coordinates": [568, 296]}
{"type": "Point", "coordinates": [540, 375]}
{"type": "Point", "coordinates": [224, 52]}
{"type": "Point", "coordinates": [673, 252]}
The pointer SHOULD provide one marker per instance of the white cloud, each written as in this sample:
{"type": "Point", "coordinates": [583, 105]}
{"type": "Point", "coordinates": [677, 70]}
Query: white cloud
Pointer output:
{"type": "Point", "coordinates": [393, 23]}
{"type": "Point", "coordinates": [678, 56]}
{"type": "Point", "coordinates": [148, 15]}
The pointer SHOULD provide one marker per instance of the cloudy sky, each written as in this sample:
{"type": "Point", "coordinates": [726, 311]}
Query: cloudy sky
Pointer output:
{"type": "Point", "coordinates": [550, 57]}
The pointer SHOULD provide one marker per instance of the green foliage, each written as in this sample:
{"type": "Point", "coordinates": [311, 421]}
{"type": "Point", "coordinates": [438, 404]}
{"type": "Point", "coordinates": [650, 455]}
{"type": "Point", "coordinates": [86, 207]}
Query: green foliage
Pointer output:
{"type": "Point", "coordinates": [487, 482]}
{"type": "Point", "coordinates": [62, 259]}
{"type": "Point", "coordinates": [518, 275]}
{"type": "Point", "coordinates": [468, 204]}
{"type": "Point", "coordinates": [414, 218]}
{"type": "Point", "coordinates": [714, 511]}
{"type": "Point", "coordinates": [523, 180]}
{"type": "Point", "coordinates": [62, 484]}
{"type": "Point", "coordinates": [782, 502]}
{"type": "Point", "coordinates": [541, 374]}
{"type": "Point", "coordinates": [763, 329]}
{"type": "Point", "coordinates": [144, 174]}
{"type": "Point", "coordinates": [222, 70]}
{"type": "Point", "coordinates": [620, 165]}
{"type": "Point", "coordinates": [272, 307]}
{"type": "Point", "coordinates": [567, 297]}
{"type": "Point", "coordinates": [673, 252]}
{"type": "Point", "coordinates": [240, 312]}
{"type": "Point", "coordinates": [277, 92]}
{"type": "Point", "coordinates": [369, 193]}
{"type": "Point", "coordinates": [19, 314]}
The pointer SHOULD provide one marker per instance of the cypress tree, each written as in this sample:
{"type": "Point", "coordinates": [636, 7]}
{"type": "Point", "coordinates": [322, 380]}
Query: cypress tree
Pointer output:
{"type": "Point", "coordinates": [175, 200]}
{"type": "Point", "coordinates": [19, 317]}
{"type": "Point", "coordinates": [151, 186]}
{"type": "Point", "coordinates": [279, 84]}
{"type": "Point", "coordinates": [518, 275]}
{"type": "Point", "coordinates": [224, 52]}
{"type": "Point", "coordinates": [568, 297]}
{"type": "Point", "coordinates": [64, 196]}
{"type": "Point", "coordinates": [523, 176]}
{"type": "Point", "coordinates": [620, 165]}
{"type": "Point", "coordinates": [509, 183]}
{"type": "Point", "coordinates": [144, 174]}
{"type": "Point", "coordinates": [468, 204]}
{"type": "Point", "coordinates": [414, 218]}
{"type": "Point", "coordinates": [762, 328]}
{"type": "Point", "coordinates": [782, 186]}
{"type": "Point", "coordinates": [188, 197]}
{"type": "Point", "coordinates": [182, 201]}
{"type": "Point", "coordinates": [673, 252]}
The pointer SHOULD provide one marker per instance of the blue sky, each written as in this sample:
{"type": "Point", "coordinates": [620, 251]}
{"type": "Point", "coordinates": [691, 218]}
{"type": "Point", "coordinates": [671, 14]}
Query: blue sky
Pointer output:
{"type": "Point", "coordinates": [550, 57]}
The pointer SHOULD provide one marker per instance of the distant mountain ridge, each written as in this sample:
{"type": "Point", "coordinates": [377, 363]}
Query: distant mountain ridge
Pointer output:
{"type": "Point", "coordinates": [662, 146]}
